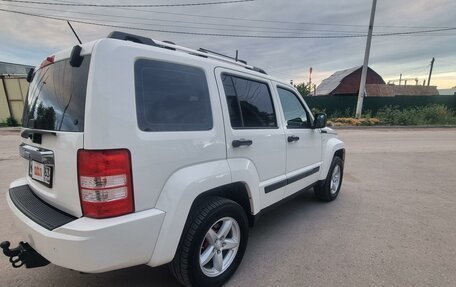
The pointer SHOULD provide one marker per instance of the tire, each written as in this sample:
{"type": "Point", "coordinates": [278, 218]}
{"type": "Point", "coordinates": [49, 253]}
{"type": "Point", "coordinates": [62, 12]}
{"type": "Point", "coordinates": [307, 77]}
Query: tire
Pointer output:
{"type": "Point", "coordinates": [203, 234]}
{"type": "Point", "coordinates": [326, 190]}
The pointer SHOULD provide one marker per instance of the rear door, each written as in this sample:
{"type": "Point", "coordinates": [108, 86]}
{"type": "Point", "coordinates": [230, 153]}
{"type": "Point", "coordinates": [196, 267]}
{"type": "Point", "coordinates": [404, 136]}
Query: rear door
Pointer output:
{"type": "Point", "coordinates": [303, 142]}
{"type": "Point", "coordinates": [53, 131]}
{"type": "Point", "coordinates": [252, 129]}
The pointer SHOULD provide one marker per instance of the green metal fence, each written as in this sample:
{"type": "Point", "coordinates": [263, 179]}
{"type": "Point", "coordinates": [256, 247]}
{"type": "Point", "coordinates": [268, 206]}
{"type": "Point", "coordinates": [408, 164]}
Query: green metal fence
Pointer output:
{"type": "Point", "coordinates": [346, 105]}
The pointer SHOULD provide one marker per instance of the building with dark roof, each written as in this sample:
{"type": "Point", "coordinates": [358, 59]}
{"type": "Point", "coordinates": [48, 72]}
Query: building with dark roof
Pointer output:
{"type": "Point", "coordinates": [346, 82]}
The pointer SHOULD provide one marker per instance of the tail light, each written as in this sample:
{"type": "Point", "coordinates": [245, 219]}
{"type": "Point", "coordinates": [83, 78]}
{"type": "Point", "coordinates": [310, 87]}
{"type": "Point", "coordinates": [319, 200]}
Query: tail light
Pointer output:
{"type": "Point", "coordinates": [105, 182]}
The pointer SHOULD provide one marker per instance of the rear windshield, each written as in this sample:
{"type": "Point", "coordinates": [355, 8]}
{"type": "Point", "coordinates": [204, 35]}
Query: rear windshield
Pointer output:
{"type": "Point", "coordinates": [56, 97]}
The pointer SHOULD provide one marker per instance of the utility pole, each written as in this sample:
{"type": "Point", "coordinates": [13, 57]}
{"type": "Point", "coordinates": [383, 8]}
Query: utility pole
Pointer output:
{"type": "Point", "coordinates": [362, 84]}
{"type": "Point", "coordinates": [400, 79]}
{"type": "Point", "coordinates": [310, 78]}
{"type": "Point", "coordinates": [430, 71]}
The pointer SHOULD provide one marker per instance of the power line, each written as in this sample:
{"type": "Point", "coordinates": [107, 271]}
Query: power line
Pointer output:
{"type": "Point", "coordinates": [231, 35]}
{"type": "Point", "coordinates": [284, 22]}
{"type": "Point", "coordinates": [417, 70]}
{"type": "Point", "coordinates": [216, 26]}
{"type": "Point", "coordinates": [267, 29]}
{"type": "Point", "coordinates": [129, 5]}
{"type": "Point", "coordinates": [260, 20]}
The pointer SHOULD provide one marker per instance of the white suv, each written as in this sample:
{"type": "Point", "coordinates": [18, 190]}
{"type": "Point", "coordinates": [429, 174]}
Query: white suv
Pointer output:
{"type": "Point", "coordinates": [139, 151]}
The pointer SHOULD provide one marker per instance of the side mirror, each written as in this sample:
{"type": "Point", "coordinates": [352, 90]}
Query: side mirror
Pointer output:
{"type": "Point", "coordinates": [320, 121]}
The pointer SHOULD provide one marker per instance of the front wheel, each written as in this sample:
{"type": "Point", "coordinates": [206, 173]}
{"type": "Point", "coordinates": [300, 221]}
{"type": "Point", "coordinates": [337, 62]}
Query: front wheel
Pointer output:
{"type": "Point", "coordinates": [213, 243]}
{"type": "Point", "coordinates": [328, 190]}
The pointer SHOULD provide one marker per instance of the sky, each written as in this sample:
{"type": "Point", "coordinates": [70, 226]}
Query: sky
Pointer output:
{"type": "Point", "coordinates": [26, 39]}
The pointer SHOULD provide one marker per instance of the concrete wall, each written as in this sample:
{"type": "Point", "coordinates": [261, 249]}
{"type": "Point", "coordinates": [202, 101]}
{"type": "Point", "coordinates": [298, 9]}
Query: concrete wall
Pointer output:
{"type": "Point", "coordinates": [13, 91]}
{"type": "Point", "coordinates": [376, 90]}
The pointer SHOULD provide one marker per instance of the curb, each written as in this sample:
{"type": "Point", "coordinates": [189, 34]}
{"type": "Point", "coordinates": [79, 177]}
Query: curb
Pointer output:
{"type": "Point", "coordinates": [10, 129]}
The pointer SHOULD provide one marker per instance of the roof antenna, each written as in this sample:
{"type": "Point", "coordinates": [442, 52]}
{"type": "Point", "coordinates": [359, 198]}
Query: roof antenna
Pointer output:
{"type": "Point", "coordinates": [236, 55]}
{"type": "Point", "coordinates": [74, 32]}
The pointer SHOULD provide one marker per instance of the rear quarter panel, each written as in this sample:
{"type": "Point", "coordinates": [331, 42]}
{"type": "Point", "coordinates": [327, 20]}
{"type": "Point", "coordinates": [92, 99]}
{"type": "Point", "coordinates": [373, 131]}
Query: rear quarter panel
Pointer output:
{"type": "Point", "coordinates": [111, 120]}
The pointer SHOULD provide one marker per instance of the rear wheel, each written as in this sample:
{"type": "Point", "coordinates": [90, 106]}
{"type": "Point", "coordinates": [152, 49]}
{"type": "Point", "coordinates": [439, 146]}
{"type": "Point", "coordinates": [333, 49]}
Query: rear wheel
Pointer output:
{"type": "Point", "coordinates": [213, 243]}
{"type": "Point", "coordinates": [328, 190]}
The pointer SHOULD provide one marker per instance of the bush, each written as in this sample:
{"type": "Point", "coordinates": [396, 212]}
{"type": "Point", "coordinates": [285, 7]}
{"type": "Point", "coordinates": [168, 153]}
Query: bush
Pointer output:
{"type": "Point", "coordinates": [426, 115]}
{"type": "Point", "coordinates": [394, 116]}
{"type": "Point", "coordinates": [347, 113]}
{"type": "Point", "coordinates": [11, 122]}
{"type": "Point", "coordinates": [317, 110]}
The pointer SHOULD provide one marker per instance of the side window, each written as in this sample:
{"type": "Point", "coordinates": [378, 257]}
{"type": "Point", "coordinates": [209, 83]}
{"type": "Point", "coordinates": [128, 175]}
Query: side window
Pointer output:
{"type": "Point", "coordinates": [171, 97]}
{"type": "Point", "coordinates": [249, 103]}
{"type": "Point", "coordinates": [294, 111]}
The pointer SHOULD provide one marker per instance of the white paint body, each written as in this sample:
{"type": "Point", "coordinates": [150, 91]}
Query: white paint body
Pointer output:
{"type": "Point", "coordinates": [170, 169]}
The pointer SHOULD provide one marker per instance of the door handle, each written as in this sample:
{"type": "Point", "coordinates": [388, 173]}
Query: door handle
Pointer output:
{"type": "Point", "coordinates": [241, 142]}
{"type": "Point", "coordinates": [292, 139]}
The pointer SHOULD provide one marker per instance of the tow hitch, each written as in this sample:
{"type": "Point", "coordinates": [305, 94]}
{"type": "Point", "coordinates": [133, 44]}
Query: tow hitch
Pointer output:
{"type": "Point", "coordinates": [23, 254]}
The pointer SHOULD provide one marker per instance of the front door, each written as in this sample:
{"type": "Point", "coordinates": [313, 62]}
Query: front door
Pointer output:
{"type": "Point", "coordinates": [303, 142]}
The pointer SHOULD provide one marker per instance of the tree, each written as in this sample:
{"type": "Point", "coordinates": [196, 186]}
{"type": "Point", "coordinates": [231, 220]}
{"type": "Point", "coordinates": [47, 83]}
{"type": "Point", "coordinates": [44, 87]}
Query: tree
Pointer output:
{"type": "Point", "coordinates": [303, 89]}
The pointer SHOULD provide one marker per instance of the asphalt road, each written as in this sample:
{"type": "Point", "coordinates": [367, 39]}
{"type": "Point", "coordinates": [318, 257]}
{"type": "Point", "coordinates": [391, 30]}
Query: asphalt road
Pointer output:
{"type": "Point", "coordinates": [394, 223]}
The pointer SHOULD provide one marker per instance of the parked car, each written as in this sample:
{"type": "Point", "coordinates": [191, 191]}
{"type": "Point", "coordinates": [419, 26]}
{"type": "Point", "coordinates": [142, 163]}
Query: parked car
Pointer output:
{"type": "Point", "coordinates": [138, 151]}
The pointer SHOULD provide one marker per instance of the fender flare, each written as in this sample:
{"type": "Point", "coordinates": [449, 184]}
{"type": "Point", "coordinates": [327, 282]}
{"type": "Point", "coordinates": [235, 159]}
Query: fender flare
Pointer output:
{"type": "Point", "coordinates": [330, 147]}
{"type": "Point", "coordinates": [178, 196]}
{"type": "Point", "coordinates": [243, 170]}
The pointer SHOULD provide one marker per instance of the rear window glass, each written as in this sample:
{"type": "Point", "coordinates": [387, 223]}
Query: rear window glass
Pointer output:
{"type": "Point", "coordinates": [56, 97]}
{"type": "Point", "coordinates": [171, 97]}
{"type": "Point", "coordinates": [249, 103]}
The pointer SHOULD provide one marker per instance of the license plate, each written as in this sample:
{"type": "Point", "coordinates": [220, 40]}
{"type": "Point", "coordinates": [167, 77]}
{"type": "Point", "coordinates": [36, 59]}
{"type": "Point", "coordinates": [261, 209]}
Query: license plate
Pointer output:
{"type": "Point", "coordinates": [41, 173]}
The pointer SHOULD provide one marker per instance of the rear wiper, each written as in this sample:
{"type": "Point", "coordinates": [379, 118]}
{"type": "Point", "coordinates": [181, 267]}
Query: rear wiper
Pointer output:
{"type": "Point", "coordinates": [35, 135]}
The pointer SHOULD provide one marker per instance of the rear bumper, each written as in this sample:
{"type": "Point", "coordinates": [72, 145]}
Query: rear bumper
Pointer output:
{"type": "Point", "coordinates": [93, 245]}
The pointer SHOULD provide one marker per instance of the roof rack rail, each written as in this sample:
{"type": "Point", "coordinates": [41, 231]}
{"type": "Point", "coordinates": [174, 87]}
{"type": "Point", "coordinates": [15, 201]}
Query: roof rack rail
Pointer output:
{"type": "Point", "coordinates": [259, 70]}
{"type": "Point", "coordinates": [171, 46]}
{"type": "Point", "coordinates": [131, 37]}
{"type": "Point", "coordinates": [169, 42]}
{"type": "Point", "coordinates": [222, 55]}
